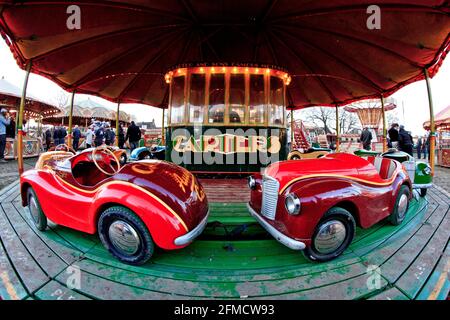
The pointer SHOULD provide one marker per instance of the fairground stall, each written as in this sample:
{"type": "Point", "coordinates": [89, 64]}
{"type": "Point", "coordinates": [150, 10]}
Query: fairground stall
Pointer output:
{"type": "Point", "coordinates": [82, 114]}
{"type": "Point", "coordinates": [371, 114]}
{"type": "Point", "coordinates": [35, 109]}
{"type": "Point", "coordinates": [226, 69]}
{"type": "Point", "coordinates": [442, 122]}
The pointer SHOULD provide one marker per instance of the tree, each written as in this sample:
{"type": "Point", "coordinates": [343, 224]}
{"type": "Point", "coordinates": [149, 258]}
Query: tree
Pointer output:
{"type": "Point", "coordinates": [325, 117]}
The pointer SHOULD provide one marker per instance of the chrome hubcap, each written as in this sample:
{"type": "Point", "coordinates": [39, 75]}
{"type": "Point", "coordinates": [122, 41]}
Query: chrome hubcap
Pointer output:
{"type": "Point", "coordinates": [124, 237]}
{"type": "Point", "coordinates": [34, 210]}
{"type": "Point", "coordinates": [330, 237]}
{"type": "Point", "coordinates": [402, 205]}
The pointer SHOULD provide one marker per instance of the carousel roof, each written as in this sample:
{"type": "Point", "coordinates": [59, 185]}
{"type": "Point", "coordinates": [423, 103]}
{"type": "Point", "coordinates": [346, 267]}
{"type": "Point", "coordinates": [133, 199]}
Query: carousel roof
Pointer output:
{"type": "Point", "coordinates": [10, 96]}
{"type": "Point", "coordinates": [326, 45]}
{"type": "Point", "coordinates": [441, 119]}
{"type": "Point", "coordinates": [87, 110]}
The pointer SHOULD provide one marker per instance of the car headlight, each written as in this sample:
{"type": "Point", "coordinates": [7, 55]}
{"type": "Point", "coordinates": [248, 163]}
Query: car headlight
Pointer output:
{"type": "Point", "coordinates": [251, 182]}
{"type": "Point", "coordinates": [427, 170]}
{"type": "Point", "coordinates": [292, 204]}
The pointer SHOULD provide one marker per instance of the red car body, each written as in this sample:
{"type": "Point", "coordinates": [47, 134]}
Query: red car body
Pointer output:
{"type": "Point", "coordinates": [336, 180]}
{"type": "Point", "coordinates": [72, 193]}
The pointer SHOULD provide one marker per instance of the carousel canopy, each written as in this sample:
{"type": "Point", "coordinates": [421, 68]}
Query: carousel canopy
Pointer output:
{"type": "Point", "coordinates": [84, 111]}
{"type": "Point", "coordinates": [370, 111]}
{"type": "Point", "coordinates": [10, 96]}
{"type": "Point", "coordinates": [442, 120]}
{"type": "Point", "coordinates": [334, 50]}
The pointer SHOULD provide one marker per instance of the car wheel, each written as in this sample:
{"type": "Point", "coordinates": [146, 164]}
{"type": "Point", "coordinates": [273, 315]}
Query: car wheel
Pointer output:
{"type": "Point", "coordinates": [144, 156]}
{"type": "Point", "coordinates": [423, 192]}
{"type": "Point", "coordinates": [34, 208]}
{"type": "Point", "coordinates": [332, 236]}
{"type": "Point", "coordinates": [123, 159]}
{"type": "Point", "coordinates": [401, 206]}
{"type": "Point", "coordinates": [125, 236]}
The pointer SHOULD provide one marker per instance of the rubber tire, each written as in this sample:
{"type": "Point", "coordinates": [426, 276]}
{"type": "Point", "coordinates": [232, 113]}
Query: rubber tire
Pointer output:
{"type": "Point", "coordinates": [144, 155]}
{"type": "Point", "coordinates": [394, 218]}
{"type": "Point", "coordinates": [41, 225]}
{"type": "Point", "coordinates": [122, 163]}
{"type": "Point", "coordinates": [423, 192]}
{"type": "Point", "coordinates": [295, 158]}
{"type": "Point", "coordinates": [147, 246]}
{"type": "Point", "coordinates": [345, 217]}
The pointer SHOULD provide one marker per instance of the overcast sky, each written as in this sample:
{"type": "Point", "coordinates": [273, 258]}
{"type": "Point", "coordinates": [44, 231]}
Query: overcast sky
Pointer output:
{"type": "Point", "coordinates": [412, 100]}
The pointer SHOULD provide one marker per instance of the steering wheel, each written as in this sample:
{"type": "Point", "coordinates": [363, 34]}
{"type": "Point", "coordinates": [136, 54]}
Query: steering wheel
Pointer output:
{"type": "Point", "coordinates": [105, 153]}
{"type": "Point", "coordinates": [65, 147]}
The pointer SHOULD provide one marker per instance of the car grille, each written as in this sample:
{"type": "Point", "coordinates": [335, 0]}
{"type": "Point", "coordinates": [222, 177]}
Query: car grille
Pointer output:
{"type": "Point", "coordinates": [270, 188]}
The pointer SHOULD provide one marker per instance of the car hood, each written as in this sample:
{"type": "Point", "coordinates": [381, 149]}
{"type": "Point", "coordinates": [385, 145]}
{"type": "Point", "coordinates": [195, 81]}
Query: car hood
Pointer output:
{"type": "Point", "coordinates": [174, 185]}
{"type": "Point", "coordinates": [337, 164]}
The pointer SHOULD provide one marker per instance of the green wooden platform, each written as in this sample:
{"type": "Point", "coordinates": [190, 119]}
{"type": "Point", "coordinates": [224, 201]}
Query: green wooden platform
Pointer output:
{"type": "Point", "coordinates": [411, 261]}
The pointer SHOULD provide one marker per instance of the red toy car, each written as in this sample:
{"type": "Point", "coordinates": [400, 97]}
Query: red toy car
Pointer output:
{"type": "Point", "coordinates": [314, 204]}
{"type": "Point", "coordinates": [133, 208]}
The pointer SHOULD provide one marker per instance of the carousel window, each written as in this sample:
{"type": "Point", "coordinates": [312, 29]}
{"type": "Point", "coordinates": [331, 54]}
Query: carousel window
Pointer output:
{"type": "Point", "coordinates": [257, 99]}
{"type": "Point", "coordinates": [177, 108]}
{"type": "Point", "coordinates": [197, 98]}
{"type": "Point", "coordinates": [237, 98]}
{"type": "Point", "coordinates": [276, 109]}
{"type": "Point", "coordinates": [216, 110]}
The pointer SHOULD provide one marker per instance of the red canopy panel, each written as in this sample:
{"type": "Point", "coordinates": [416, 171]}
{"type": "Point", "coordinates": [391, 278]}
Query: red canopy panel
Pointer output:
{"type": "Point", "coordinates": [124, 48]}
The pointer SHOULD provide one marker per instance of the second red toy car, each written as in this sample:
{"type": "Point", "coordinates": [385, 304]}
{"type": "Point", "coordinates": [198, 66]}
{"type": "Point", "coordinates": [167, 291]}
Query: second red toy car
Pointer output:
{"type": "Point", "coordinates": [314, 205]}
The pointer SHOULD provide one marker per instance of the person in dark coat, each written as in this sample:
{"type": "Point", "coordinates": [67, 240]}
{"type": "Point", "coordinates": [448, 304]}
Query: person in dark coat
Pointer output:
{"type": "Point", "coordinates": [11, 129]}
{"type": "Point", "coordinates": [99, 136]}
{"type": "Point", "coordinates": [366, 139]}
{"type": "Point", "coordinates": [393, 135]}
{"type": "Point", "coordinates": [425, 147]}
{"type": "Point", "coordinates": [62, 135]}
{"type": "Point", "coordinates": [133, 135]}
{"type": "Point", "coordinates": [121, 136]}
{"type": "Point", "coordinates": [110, 136]}
{"type": "Point", "coordinates": [405, 141]}
{"type": "Point", "coordinates": [48, 139]}
{"type": "Point", "coordinates": [76, 138]}
{"type": "Point", "coordinates": [419, 147]}
{"type": "Point", "coordinates": [56, 135]}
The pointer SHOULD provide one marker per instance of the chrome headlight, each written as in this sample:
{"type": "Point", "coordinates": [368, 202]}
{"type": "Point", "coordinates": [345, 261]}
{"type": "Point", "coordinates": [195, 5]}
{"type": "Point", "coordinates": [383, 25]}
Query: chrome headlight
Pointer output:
{"type": "Point", "coordinates": [427, 170]}
{"type": "Point", "coordinates": [292, 204]}
{"type": "Point", "coordinates": [251, 182]}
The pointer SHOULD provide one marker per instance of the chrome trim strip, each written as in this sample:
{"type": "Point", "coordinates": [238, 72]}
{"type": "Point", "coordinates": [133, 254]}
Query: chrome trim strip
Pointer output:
{"type": "Point", "coordinates": [422, 186]}
{"type": "Point", "coordinates": [280, 237]}
{"type": "Point", "coordinates": [194, 233]}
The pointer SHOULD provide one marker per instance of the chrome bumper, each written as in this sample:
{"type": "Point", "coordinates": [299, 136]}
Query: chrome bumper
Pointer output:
{"type": "Point", "coordinates": [280, 237]}
{"type": "Point", "coordinates": [194, 233]}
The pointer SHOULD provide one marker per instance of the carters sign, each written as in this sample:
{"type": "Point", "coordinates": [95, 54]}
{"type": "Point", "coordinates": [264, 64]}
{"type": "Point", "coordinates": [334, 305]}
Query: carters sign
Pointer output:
{"type": "Point", "coordinates": [226, 149]}
{"type": "Point", "coordinates": [227, 144]}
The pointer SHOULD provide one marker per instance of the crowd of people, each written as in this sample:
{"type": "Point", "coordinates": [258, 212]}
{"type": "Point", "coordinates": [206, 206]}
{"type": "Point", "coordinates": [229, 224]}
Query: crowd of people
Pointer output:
{"type": "Point", "coordinates": [97, 134]}
{"type": "Point", "coordinates": [399, 138]}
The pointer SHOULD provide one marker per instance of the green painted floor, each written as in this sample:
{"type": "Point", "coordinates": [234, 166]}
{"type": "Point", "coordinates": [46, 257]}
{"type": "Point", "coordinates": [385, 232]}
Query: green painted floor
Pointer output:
{"type": "Point", "coordinates": [228, 264]}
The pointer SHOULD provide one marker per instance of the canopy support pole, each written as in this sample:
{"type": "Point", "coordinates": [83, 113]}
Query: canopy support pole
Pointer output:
{"type": "Point", "coordinates": [20, 132]}
{"type": "Point", "coordinates": [338, 142]}
{"type": "Point", "coordinates": [163, 129]}
{"type": "Point", "coordinates": [292, 130]}
{"type": "Point", "coordinates": [432, 125]}
{"type": "Point", "coordinates": [117, 124]}
{"type": "Point", "coordinates": [69, 136]}
{"type": "Point", "coordinates": [383, 114]}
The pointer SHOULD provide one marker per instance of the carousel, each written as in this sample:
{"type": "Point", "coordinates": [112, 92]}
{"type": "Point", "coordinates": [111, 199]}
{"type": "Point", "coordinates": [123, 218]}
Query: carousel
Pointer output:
{"type": "Point", "coordinates": [224, 74]}
{"type": "Point", "coordinates": [34, 110]}
{"type": "Point", "coordinates": [442, 123]}
{"type": "Point", "coordinates": [371, 114]}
